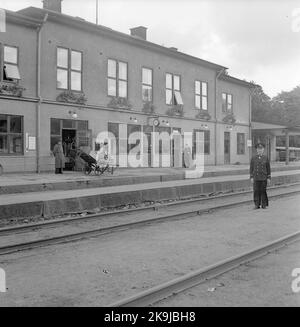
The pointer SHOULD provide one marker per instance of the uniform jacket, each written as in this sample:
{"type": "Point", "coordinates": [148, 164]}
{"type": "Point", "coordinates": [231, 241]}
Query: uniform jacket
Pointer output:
{"type": "Point", "coordinates": [260, 169]}
{"type": "Point", "coordinates": [59, 156]}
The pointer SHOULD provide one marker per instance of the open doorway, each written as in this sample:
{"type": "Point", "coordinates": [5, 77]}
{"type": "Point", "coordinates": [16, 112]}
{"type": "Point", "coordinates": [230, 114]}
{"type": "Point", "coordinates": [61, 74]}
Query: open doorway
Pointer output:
{"type": "Point", "coordinates": [68, 143]}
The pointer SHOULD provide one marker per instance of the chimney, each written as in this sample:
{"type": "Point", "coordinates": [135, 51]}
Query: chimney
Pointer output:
{"type": "Point", "coordinates": [139, 31]}
{"type": "Point", "coordinates": [54, 5]}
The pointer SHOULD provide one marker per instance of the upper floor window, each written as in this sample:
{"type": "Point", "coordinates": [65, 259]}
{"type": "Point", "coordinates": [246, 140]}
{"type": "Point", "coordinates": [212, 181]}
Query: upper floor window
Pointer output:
{"type": "Point", "coordinates": [240, 143]}
{"type": "Point", "coordinates": [147, 85]}
{"type": "Point", "coordinates": [226, 102]}
{"type": "Point", "coordinates": [69, 69]}
{"type": "Point", "coordinates": [10, 70]}
{"type": "Point", "coordinates": [117, 78]}
{"type": "Point", "coordinates": [11, 134]}
{"type": "Point", "coordinates": [173, 87]}
{"type": "Point", "coordinates": [201, 95]}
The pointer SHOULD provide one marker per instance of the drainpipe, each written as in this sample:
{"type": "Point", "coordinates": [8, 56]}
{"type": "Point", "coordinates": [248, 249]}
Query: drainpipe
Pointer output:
{"type": "Point", "coordinates": [250, 127]}
{"type": "Point", "coordinates": [38, 93]}
{"type": "Point", "coordinates": [217, 76]}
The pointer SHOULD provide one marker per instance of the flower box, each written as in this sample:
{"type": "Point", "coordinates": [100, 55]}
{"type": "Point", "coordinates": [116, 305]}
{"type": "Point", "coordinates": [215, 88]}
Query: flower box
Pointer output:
{"type": "Point", "coordinates": [203, 114]}
{"type": "Point", "coordinates": [11, 89]}
{"type": "Point", "coordinates": [176, 110]}
{"type": "Point", "coordinates": [71, 97]}
{"type": "Point", "coordinates": [120, 103]}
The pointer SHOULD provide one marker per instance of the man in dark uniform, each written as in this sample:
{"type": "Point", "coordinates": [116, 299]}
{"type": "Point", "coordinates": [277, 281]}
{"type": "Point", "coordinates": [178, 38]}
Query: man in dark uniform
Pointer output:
{"type": "Point", "coordinates": [260, 175]}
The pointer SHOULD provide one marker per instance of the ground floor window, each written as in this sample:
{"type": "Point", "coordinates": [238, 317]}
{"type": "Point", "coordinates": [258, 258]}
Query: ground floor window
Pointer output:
{"type": "Point", "coordinates": [11, 134]}
{"type": "Point", "coordinates": [240, 143]}
{"type": "Point", "coordinates": [206, 141]}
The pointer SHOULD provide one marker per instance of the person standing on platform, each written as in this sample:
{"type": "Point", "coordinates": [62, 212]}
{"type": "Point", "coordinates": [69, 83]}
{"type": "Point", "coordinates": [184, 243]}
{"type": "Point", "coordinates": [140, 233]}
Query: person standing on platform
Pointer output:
{"type": "Point", "coordinates": [260, 176]}
{"type": "Point", "coordinates": [59, 157]}
{"type": "Point", "coordinates": [187, 157]}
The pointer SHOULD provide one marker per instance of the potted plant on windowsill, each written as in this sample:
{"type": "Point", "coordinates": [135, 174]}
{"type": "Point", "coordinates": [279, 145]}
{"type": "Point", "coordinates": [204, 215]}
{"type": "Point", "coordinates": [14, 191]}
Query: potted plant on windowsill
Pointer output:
{"type": "Point", "coordinates": [72, 97]}
{"type": "Point", "coordinates": [175, 110]}
{"type": "Point", "coordinates": [118, 102]}
{"type": "Point", "coordinates": [148, 107]}
{"type": "Point", "coordinates": [203, 114]}
{"type": "Point", "coordinates": [11, 88]}
{"type": "Point", "coordinates": [229, 118]}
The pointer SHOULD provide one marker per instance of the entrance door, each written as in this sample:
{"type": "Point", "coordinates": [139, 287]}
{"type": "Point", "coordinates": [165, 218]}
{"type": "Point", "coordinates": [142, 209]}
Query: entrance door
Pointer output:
{"type": "Point", "coordinates": [176, 151]}
{"type": "Point", "coordinates": [227, 148]}
{"type": "Point", "coordinates": [164, 147]}
{"type": "Point", "coordinates": [147, 130]}
{"type": "Point", "coordinates": [68, 143]}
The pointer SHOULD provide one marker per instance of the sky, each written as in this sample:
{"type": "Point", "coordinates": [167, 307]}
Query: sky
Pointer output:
{"type": "Point", "coordinates": [258, 40]}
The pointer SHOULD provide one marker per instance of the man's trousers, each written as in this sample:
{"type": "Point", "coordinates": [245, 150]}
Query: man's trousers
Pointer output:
{"type": "Point", "coordinates": [260, 193]}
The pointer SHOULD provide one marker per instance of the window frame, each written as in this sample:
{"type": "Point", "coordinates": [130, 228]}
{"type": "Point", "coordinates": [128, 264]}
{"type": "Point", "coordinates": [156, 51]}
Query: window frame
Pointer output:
{"type": "Point", "coordinates": [69, 69]}
{"type": "Point", "coordinates": [240, 147]}
{"type": "Point", "coordinates": [143, 84]}
{"type": "Point", "coordinates": [226, 103]}
{"type": "Point", "coordinates": [206, 140]}
{"type": "Point", "coordinates": [117, 79]}
{"type": "Point", "coordinates": [2, 63]}
{"type": "Point", "coordinates": [173, 89]}
{"type": "Point", "coordinates": [9, 134]}
{"type": "Point", "coordinates": [200, 95]}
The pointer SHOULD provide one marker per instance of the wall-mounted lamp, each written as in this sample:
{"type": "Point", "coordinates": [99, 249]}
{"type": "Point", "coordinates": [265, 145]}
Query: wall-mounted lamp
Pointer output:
{"type": "Point", "coordinates": [204, 126]}
{"type": "Point", "coordinates": [133, 119]}
{"type": "Point", "coordinates": [73, 114]}
{"type": "Point", "coordinates": [165, 122]}
{"type": "Point", "coordinates": [229, 127]}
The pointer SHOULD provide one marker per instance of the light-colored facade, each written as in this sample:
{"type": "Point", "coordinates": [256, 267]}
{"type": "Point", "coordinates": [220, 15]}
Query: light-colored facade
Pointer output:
{"type": "Point", "coordinates": [42, 39]}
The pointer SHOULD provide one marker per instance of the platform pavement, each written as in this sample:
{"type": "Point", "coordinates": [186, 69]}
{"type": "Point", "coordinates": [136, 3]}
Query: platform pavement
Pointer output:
{"type": "Point", "coordinates": [32, 182]}
{"type": "Point", "coordinates": [51, 203]}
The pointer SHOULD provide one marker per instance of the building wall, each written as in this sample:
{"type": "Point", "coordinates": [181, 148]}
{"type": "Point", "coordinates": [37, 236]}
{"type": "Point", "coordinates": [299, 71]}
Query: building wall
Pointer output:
{"type": "Point", "coordinates": [25, 39]}
{"type": "Point", "coordinates": [96, 51]}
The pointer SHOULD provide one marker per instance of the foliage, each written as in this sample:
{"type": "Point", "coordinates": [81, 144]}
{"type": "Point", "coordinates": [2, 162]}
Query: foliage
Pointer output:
{"type": "Point", "coordinates": [148, 107]}
{"type": "Point", "coordinates": [117, 102]}
{"type": "Point", "coordinates": [11, 89]}
{"type": "Point", "coordinates": [203, 114]}
{"type": "Point", "coordinates": [176, 110]}
{"type": "Point", "coordinates": [229, 118]}
{"type": "Point", "coordinates": [72, 97]}
{"type": "Point", "coordinates": [284, 109]}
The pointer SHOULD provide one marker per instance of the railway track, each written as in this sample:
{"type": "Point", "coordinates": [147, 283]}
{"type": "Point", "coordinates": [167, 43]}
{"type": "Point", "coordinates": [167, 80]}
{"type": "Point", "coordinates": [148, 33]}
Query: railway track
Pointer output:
{"type": "Point", "coordinates": [175, 286]}
{"type": "Point", "coordinates": [232, 200]}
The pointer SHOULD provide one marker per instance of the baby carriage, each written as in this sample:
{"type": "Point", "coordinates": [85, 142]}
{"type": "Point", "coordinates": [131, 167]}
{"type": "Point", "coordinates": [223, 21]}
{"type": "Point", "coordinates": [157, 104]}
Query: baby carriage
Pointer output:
{"type": "Point", "coordinates": [91, 164]}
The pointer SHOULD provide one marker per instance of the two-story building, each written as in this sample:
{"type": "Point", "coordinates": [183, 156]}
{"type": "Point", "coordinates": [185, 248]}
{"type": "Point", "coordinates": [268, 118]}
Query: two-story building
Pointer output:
{"type": "Point", "coordinates": [65, 78]}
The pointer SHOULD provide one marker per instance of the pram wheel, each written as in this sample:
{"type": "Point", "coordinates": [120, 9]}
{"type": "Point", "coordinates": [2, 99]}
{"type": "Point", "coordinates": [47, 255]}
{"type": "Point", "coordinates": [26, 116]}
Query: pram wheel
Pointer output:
{"type": "Point", "coordinates": [87, 169]}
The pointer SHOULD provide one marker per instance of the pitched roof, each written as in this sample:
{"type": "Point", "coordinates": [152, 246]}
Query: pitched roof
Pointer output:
{"type": "Point", "coordinates": [38, 13]}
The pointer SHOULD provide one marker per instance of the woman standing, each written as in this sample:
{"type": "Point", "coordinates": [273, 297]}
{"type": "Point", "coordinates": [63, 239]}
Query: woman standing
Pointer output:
{"type": "Point", "coordinates": [59, 157]}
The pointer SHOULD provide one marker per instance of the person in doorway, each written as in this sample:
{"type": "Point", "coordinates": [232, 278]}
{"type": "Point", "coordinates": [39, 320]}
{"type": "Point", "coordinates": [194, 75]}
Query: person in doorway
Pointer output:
{"type": "Point", "coordinates": [187, 156]}
{"type": "Point", "coordinates": [260, 176]}
{"type": "Point", "coordinates": [59, 157]}
{"type": "Point", "coordinates": [102, 155]}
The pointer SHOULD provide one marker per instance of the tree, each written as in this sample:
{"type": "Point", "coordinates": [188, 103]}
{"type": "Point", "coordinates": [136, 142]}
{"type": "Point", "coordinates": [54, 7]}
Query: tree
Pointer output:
{"type": "Point", "coordinates": [288, 104]}
{"type": "Point", "coordinates": [261, 104]}
{"type": "Point", "coordinates": [284, 109]}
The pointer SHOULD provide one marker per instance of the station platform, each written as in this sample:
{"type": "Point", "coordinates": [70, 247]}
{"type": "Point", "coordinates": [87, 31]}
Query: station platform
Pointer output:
{"type": "Point", "coordinates": [33, 182]}
{"type": "Point", "coordinates": [57, 202]}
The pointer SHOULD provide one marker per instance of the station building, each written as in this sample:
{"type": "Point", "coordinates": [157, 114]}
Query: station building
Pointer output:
{"type": "Point", "coordinates": [64, 77]}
